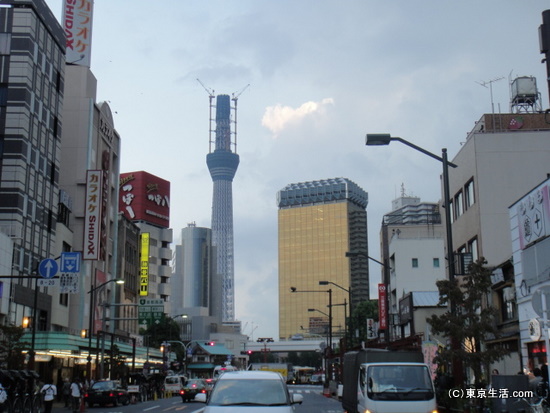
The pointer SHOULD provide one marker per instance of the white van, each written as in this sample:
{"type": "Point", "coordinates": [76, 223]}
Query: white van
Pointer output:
{"type": "Point", "coordinates": [173, 384]}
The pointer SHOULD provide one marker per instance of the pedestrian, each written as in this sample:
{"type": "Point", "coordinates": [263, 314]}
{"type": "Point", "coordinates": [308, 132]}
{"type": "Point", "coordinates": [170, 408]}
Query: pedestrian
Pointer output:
{"type": "Point", "coordinates": [76, 392]}
{"type": "Point", "coordinates": [66, 390]}
{"type": "Point", "coordinates": [48, 391]}
{"type": "Point", "coordinates": [3, 398]}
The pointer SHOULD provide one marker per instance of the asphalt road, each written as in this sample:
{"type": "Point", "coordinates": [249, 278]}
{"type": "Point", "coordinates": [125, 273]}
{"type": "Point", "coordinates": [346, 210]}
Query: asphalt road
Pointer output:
{"type": "Point", "coordinates": [314, 402]}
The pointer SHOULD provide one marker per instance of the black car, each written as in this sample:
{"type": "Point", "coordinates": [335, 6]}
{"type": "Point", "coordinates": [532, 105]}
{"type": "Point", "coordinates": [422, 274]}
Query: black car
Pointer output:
{"type": "Point", "coordinates": [192, 388]}
{"type": "Point", "coordinates": [107, 392]}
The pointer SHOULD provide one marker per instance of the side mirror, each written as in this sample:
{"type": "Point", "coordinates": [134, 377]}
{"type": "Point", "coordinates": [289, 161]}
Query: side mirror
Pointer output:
{"type": "Point", "coordinates": [200, 397]}
{"type": "Point", "coordinates": [296, 398]}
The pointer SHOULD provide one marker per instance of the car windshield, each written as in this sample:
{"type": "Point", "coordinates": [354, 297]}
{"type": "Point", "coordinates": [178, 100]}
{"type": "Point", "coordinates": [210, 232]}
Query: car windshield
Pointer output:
{"type": "Point", "coordinates": [395, 382]}
{"type": "Point", "coordinates": [249, 392]}
{"type": "Point", "coordinates": [103, 385]}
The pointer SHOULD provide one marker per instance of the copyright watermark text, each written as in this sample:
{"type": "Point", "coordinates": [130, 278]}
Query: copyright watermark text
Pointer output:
{"type": "Point", "coordinates": [489, 394]}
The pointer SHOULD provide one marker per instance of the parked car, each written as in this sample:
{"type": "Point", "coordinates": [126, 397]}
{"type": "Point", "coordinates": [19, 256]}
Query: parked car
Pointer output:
{"type": "Point", "coordinates": [193, 387]}
{"type": "Point", "coordinates": [174, 384]}
{"type": "Point", "coordinates": [107, 392]}
{"type": "Point", "coordinates": [250, 391]}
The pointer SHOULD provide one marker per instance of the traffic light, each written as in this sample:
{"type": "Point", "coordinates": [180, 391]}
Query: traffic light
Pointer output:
{"type": "Point", "coordinates": [26, 322]}
{"type": "Point", "coordinates": [246, 352]}
{"type": "Point", "coordinates": [210, 343]}
{"type": "Point", "coordinates": [84, 333]}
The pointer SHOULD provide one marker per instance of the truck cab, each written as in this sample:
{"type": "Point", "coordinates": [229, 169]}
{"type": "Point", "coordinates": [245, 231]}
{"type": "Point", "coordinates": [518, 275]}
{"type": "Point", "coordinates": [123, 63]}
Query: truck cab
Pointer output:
{"type": "Point", "coordinates": [395, 387]}
{"type": "Point", "coordinates": [384, 381]}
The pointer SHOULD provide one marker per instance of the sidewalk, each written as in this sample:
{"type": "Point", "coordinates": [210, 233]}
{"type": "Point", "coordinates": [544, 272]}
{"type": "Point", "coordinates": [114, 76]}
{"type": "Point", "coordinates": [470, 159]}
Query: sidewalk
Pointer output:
{"type": "Point", "coordinates": [59, 407]}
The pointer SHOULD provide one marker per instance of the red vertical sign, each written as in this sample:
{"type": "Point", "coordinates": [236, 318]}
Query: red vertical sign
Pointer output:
{"type": "Point", "coordinates": [382, 308]}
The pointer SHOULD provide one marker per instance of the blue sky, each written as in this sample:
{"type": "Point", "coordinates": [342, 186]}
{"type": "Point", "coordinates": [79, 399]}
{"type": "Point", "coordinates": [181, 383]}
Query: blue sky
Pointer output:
{"type": "Point", "coordinates": [322, 74]}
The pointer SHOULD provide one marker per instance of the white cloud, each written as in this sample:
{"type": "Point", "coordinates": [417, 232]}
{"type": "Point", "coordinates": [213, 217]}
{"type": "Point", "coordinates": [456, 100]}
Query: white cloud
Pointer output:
{"type": "Point", "coordinates": [277, 117]}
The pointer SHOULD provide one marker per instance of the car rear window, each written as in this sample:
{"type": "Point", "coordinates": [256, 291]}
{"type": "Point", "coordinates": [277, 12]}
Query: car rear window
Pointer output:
{"type": "Point", "coordinates": [261, 392]}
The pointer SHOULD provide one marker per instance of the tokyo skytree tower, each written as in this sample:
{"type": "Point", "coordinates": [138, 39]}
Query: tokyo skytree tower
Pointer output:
{"type": "Point", "coordinates": [222, 164]}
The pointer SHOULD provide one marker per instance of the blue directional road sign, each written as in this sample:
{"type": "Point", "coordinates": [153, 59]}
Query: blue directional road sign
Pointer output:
{"type": "Point", "coordinates": [48, 268]}
{"type": "Point", "coordinates": [70, 262]}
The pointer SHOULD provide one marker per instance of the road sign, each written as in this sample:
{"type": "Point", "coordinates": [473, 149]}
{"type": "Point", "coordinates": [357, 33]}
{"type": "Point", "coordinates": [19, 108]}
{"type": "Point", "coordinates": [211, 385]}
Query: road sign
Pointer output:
{"type": "Point", "coordinates": [47, 282]}
{"type": "Point", "coordinates": [151, 301]}
{"type": "Point", "coordinates": [70, 262]}
{"type": "Point", "coordinates": [69, 283]}
{"type": "Point", "coordinates": [48, 268]}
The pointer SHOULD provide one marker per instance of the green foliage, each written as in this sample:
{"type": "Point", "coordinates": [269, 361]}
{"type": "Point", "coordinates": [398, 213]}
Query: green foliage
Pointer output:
{"type": "Point", "coordinates": [11, 347]}
{"type": "Point", "coordinates": [166, 329]}
{"type": "Point", "coordinates": [471, 324]}
{"type": "Point", "coordinates": [363, 311]}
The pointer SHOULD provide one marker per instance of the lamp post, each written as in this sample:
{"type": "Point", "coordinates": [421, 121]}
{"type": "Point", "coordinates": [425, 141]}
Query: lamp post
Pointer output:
{"type": "Point", "coordinates": [329, 291]}
{"type": "Point", "coordinates": [379, 139]}
{"type": "Point", "coordinates": [349, 324]}
{"type": "Point", "coordinates": [387, 268]}
{"type": "Point", "coordinates": [91, 320]}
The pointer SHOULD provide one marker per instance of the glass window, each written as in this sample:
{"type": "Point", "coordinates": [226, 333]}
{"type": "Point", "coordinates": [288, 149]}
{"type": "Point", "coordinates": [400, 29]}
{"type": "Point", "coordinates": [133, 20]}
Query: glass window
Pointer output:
{"type": "Point", "coordinates": [472, 248]}
{"type": "Point", "coordinates": [436, 262]}
{"type": "Point", "coordinates": [459, 205]}
{"type": "Point", "coordinates": [508, 303]}
{"type": "Point", "coordinates": [5, 43]}
{"type": "Point", "coordinates": [415, 262]}
{"type": "Point", "coordinates": [469, 192]}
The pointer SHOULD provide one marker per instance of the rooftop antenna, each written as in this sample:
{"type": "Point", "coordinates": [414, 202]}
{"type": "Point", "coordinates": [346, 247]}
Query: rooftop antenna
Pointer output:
{"type": "Point", "coordinates": [234, 98]}
{"type": "Point", "coordinates": [211, 96]}
{"type": "Point", "coordinates": [490, 83]}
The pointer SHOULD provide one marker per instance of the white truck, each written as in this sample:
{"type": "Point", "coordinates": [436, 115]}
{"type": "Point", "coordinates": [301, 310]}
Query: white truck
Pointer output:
{"type": "Point", "coordinates": [382, 381]}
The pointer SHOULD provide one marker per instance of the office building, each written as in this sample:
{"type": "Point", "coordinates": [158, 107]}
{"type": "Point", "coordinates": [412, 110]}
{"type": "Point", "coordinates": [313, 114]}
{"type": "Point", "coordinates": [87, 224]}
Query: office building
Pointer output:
{"type": "Point", "coordinates": [318, 223]}
{"type": "Point", "coordinates": [32, 50]}
{"type": "Point", "coordinates": [504, 156]}
{"type": "Point", "coordinates": [144, 199]}
{"type": "Point", "coordinates": [412, 250]}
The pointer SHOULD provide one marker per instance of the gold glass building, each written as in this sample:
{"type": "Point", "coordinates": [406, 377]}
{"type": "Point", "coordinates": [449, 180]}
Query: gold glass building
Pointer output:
{"type": "Point", "coordinates": [319, 222]}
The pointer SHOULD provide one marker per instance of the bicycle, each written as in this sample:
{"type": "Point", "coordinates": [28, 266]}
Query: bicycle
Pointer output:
{"type": "Point", "coordinates": [536, 404]}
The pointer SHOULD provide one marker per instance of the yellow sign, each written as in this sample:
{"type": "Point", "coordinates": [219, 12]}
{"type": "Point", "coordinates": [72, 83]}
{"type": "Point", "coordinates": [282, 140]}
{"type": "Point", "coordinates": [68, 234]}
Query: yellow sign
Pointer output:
{"type": "Point", "coordinates": [144, 265]}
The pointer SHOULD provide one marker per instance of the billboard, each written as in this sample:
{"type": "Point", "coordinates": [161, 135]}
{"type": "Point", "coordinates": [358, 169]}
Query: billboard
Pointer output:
{"type": "Point", "coordinates": [382, 308]}
{"type": "Point", "coordinates": [144, 264]}
{"type": "Point", "coordinates": [92, 224]}
{"type": "Point", "coordinates": [77, 25]}
{"type": "Point", "coordinates": [145, 197]}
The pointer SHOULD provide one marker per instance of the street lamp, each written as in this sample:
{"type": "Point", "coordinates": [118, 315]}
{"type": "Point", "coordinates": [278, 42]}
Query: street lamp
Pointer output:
{"type": "Point", "coordinates": [349, 324]}
{"type": "Point", "coordinates": [329, 291]}
{"type": "Point", "coordinates": [378, 139]}
{"type": "Point", "coordinates": [92, 319]}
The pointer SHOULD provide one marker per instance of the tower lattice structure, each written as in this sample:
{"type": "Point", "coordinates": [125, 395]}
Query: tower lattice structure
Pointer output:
{"type": "Point", "coordinates": [222, 164]}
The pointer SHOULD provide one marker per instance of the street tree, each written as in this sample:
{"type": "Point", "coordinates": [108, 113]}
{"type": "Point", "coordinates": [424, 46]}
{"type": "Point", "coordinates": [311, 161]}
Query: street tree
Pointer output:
{"type": "Point", "coordinates": [468, 323]}
{"type": "Point", "coordinates": [363, 311]}
{"type": "Point", "coordinates": [12, 347]}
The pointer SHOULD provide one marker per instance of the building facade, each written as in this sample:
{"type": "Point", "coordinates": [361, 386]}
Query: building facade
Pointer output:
{"type": "Point", "coordinates": [412, 247]}
{"type": "Point", "coordinates": [530, 233]}
{"type": "Point", "coordinates": [144, 199]}
{"type": "Point", "coordinates": [194, 272]}
{"type": "Point", "coordinates": [318, 223]}
{"type": "Point", "coordinates": [503, 156]}
{"type": "Point", "coordinates": [32, 61]}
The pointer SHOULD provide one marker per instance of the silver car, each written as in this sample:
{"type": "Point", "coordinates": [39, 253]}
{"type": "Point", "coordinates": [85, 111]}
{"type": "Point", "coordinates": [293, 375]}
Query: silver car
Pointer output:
{"type": "Point", "coordinates": [253, 391]}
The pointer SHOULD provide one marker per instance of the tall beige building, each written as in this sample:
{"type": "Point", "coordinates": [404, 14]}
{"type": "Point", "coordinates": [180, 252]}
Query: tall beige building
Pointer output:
{"type": "Point", "coordinates": [319, 222]}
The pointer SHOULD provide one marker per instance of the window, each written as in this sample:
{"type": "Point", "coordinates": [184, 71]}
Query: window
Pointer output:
{"type": "Point", "coordinates": [5, 43]}
{"type": "Point", "coordinates": [469, 194]}
{"type": "Point", "coordinates": [436, 262]}
{"type": "Point", "coordinates": [472, 248]}
{"type": "Point", "coordinates": [508, 303]}
{"type": "Point", "coordinates": [415, 262]}
{"type": "Point", "coordinates": [459, 205]}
